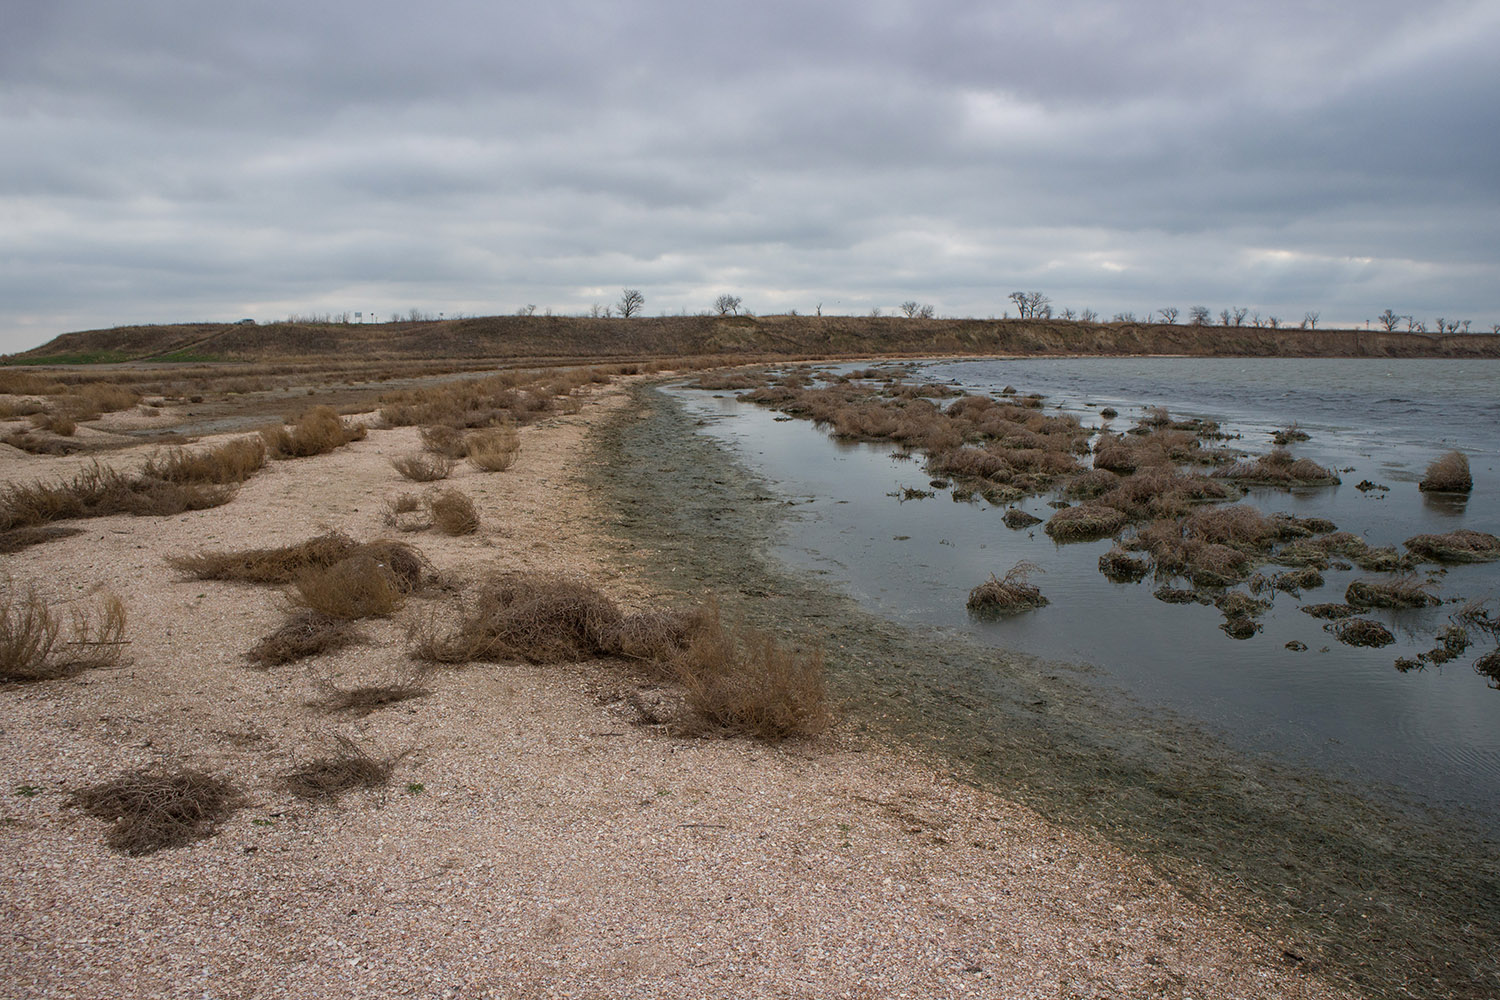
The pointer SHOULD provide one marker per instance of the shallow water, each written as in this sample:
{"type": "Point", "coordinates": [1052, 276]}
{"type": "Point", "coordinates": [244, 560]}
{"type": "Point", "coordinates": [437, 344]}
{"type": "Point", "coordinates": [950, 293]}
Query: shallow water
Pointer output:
{"type": "Point", "coordinates": [1346, 712]}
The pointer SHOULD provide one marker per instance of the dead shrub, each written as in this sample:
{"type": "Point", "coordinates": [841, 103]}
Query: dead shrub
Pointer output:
{"type": "Point", "coordinates": [493, 450]}
{"type": "Point", "coordinates": [423, 467]}
{"type": "Point", "coordinates": [1404, 592]}
{"type": "Point", "coordinates": [405, 512]}
{"type": "Point", "coordinates": [1279, 468]}
{"type": "Point", "coordinates": [1477, 615]}
{"type": "Point", "coordinates": [1448, 474]}
{"type": "Point", "coordinates": [348, 766]}
{"type": "Point", "coordinates": [1360, 632]}
{"type": "Point", "coordinates": [232, 462]}
{"type": "Point", "coordinates": [361, 586]}
{"type": "Point", "coordinates": [453, 512]}
{"type": "Point", "coordinates": [98, 491]}
{"type": "Point", "coordinates": [1085, 522]}
{"type": "Point", "coordinates": [1459, 546]}
{"type": "Point", "coordinates": [17, 539]}
{"type": "Point", "coordinates": [361, 701]}
{"type": "Point", "coordinates": [1331, 612]}
{"type": "Point", "coordinates": [1488, 667]}
{"type": "Point", "coordinates": [1119, 566]}
{"type": "Point", "coordinates": [316, 432]}
{"type": "Point", "coordinates": [154, 809]}
{"type": "Point", "coordinates": [527, 616]}
{"type": "Point", "coordinates": [655, 636]}
{"type": "Point", "coordinates": [746, 682]}
{"type": "Point", "coordinates": [273, 565]}
{"type": "Point", "coordinates": [306, 633]}
{"type": "Point", "coordinates": [1009, 594]}
{"type": "Point", "coordinates": [54, 422]}
{"type": "Point", "coordinates": [440, 439]}
{"type": "Point", "coordinates": [31, 644]}
{"type": "Point", "coordinates": [1239, 525]}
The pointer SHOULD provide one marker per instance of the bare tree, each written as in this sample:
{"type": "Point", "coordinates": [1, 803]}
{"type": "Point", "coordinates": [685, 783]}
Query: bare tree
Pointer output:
{"type": "Point", "coordinates": [1067, 314]}
{"type": "Point", "coordinates": [820, 310]}
{"type": "Point", "coordinates": [916, 310]}
{"type": "Point", "coordinates": [1200, 316]}
{"type": "Point", "coordinates": [528, 309]}
{"type": "Point", "coordinates": [1019, 298]}
{"type": "Point", "coordinates": [1124, 317]}
{"type": "Point", "coordinates": [1223, 317]}
{"type": "Point", "coordinates": [1310, 319]}
{"type": "Point", "coordinates": [1040, 305]}
{"type": "Point", "coordinates": [600, 311]}
{"type": "Point", "coordinates": [1088, 316]}
{"type": "Point", "coordinates": [1168, 315]}
{"type": "Point", "coordinates": [631, 302]}
{"type": "Point", "coordinates": [1465, 324]}
{"type": "Point", "coordinates": [1239, 315]}
{"type": "Point", "coordinates": [728, 305]}
{"type": "Point", "coordinates": [1388, 319]}
{"type": "Point", "coordinates": [1274, 322]}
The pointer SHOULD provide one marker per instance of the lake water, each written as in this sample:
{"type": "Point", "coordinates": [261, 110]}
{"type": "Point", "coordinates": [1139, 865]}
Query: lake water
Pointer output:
{"type": "Point", "coordinates": [1433, 734]}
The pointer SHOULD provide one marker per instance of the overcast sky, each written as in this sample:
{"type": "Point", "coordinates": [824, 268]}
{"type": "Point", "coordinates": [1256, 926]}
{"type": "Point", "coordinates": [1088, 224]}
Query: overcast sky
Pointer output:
{"type": "Point", "coordinates": [176, 160]}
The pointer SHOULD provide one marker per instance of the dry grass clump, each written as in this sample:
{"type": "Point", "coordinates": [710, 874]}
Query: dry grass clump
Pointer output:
{"type": "Point", "coordinates": [654, 636]}
{"type": "Point", "coordinates": [16, 539]}
{"type": "Point", "coordinates": [348, 766]}
{"type": "Point", "coordinates": [747, 682]}
{"type": "Point", "coordinates": [440, 439]}
{"type": "Point", "coordinates": [1448, 474]}
{"type": "Point", "coordinates": [373, 582]}
{"type": "Point", "coordinates": [54, 422]}
{"type": "Point", "coordinates": [423, 467]}
{"type": "Point", "coordinates": [31, 643]}
{"type": "Point", "coordinates": [316, 432]}
{"type": "Point", "coordinates": [282, 564]}
{"type": "Point", "coordinates": [493, 450]}
{"type": "Point", "coordinates": [453, 512]}
{"type": "Point", "coordinates": [1477, 615]}
{"type": "Point", "coordinates": [1403, 592]}
{"type": "Point", "coordinates": [405, 512]}
{"type": "Point", "coordinates": [1459, 546]}
{"type": "Point", "coordinates": [1279, 468]}
{"type": "Point", "coordinates": [1330, 612]}
{"type": "Point", "coordinates": [1007, 595]}
{"type": "Point", "coordinates": [150, 810]}
{"type": "Point", "coordinates": [232, 462]}
{"type": "Point", "coordinates": [362, 700]}
{"type": "Point", "coordinates": [306, 633]}
{"type": "Point", "coordinates": [1119, 566]}
{"type": "Point", "coordinates": [1240, 525]}
{"type": "Point", "coordinates": [1488, 667]}
{"type": "Point", "coordinates": [1360, 632]}
{"type": "Point", "coordinates": [1016, 518]}
{"type": "Point", "coordinates": [510, 397]}
{"type": "Point", "coordinates": [1085, 522]}
{"type": "Point", "coordinates": [525, 616]}
{"type": "Point", "coordinates": [34, 445]}
{"type": "Point", "coordinates": [98, 491]}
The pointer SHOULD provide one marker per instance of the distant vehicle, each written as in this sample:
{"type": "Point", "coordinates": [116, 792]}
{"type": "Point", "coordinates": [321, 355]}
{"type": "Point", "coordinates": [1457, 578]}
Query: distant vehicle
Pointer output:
{"type": "Point", "coordinates": [245, 322]}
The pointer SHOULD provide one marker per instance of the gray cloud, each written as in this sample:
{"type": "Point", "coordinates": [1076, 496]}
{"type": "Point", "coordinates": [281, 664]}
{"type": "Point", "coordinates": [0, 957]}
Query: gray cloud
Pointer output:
{"type": "Point", "coordinates": [166, 161]}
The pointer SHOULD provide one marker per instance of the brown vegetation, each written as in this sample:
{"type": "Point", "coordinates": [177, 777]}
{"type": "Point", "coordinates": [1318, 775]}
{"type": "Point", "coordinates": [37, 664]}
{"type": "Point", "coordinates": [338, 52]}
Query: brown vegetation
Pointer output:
{"type": "Point", "coordinates": [747, 682]}
{"type": "Point", "coordinates": [31, 643]}
{"type": "Point", "coordinates": [1403, 592]}
{"type": "Point", "coordinates": [493, 450]}
{"type": "Point", "coordinates": [1279, 468]}
{"type": "Point", "coordinates": [232, 462]}
{"type": "Point", "coordinates": [373, 582]}
{"type": "Point", "coordinates": [99, 491]}
{"type": "Point", "coordinates": [1459, 546]}
{"type": "Point", "coordinates": [453, 512]}
{"type": "Point", "coordinates": [316, 432]}
{"type": "Point", "coordinates": [1360, 632]}
{"type": "Point", "coordinates": [364, 699]}
{"type": "Point", "coordinates": [282, 564]}
{"type": "Point", "coordinates": [306, 633]}
{"type": "Point", "coordinates": [346, 767]}
{"type": "Point", "coordinates": [423, 467]}
{"type": "Point", "coordinates": [1085, 522]}
{"type": "Point", "coordinates": [529, 617]}
{"type": "Point", "coordinates": [16, 539]}
{"type": "Point", "coordinates": [1448, 474]}
{"type": "Point", "coordinates": [153, 809]}
{"type": "Point", "coordinates": [1007, 595]}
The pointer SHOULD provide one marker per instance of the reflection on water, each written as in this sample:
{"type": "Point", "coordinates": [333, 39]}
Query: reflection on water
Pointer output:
{"type": "Point", "coordinates": [1345, 710]}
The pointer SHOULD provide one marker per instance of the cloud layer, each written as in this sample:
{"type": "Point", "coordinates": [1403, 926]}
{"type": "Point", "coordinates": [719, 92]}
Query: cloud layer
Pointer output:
{"type": "Point", "coordinates": [170, 161]}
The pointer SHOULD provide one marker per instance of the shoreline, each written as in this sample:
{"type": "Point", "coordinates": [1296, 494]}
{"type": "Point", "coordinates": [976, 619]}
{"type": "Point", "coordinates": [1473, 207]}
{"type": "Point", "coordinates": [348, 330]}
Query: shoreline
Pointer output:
{"type": "Point", "coordinates": [542, 837]}
{"type": "Point", "coordinates": [1190, 803]}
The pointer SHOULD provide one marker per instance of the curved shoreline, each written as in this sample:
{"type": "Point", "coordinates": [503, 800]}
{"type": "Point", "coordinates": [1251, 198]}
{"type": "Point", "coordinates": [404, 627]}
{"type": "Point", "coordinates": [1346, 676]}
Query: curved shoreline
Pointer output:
{"type": "Point", "coordinates": [1296, 851]}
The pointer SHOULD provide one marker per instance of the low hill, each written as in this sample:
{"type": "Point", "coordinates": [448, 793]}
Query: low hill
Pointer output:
{"type": "Point", "coordinates": [536, 338]}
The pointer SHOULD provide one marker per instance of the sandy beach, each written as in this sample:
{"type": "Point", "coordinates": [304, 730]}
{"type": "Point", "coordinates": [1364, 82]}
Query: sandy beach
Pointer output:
{"type": "Point", "coordinates": [537, 838]}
